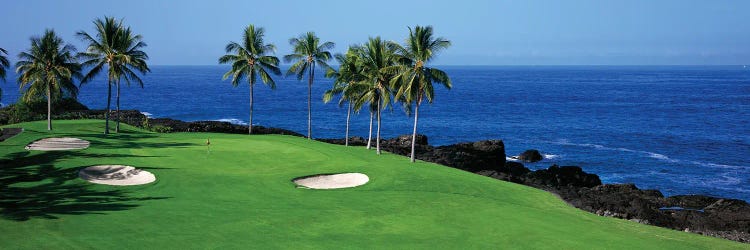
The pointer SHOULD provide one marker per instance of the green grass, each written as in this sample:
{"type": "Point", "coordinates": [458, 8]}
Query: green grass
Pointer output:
{"type": "Point", "coordinates": [240, 195]}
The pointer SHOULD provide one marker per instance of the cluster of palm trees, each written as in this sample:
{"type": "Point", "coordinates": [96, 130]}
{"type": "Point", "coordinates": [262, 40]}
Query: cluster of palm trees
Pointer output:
{"type": "Point", "coordinates": [50, 66]}
{"type": "Point", "coordinates": [375, 75]}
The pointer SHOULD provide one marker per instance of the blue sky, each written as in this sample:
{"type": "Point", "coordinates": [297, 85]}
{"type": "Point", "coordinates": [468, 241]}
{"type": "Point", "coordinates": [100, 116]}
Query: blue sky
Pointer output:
{"type": "Point", "coordinates": [583, 32]}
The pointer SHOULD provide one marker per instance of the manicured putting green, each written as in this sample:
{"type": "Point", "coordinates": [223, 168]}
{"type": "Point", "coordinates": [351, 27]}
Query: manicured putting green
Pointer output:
{"type": "Point", "coordinates": [240, 195]}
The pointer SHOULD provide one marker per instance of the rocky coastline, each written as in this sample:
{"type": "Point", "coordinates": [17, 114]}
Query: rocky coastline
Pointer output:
{"type": "Point", "coordinates": [712, 216]}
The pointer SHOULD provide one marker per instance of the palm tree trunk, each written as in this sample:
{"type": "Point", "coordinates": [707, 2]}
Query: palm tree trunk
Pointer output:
{"type": "Point", "coordinates": [369, 137]}
{"type": "Point", "coordinates": [414, 133]}
{"type": "Point", "coordinates": [348, 114]}
{"type": "Point", "coordinates": [250, 123]}
{"type": "Point", "coordinates": [309, 101]}
{"type": "Point", "coordinates": [106, 112]}
{"type": "Point", "coordinates": [49, 108]}
{"type": "Point", "coordinates": [117, 126]}
{"type": "Point", "coordinates": [377, 142]}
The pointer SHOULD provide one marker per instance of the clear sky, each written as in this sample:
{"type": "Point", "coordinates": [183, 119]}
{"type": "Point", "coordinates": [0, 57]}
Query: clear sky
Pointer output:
{"type": "Point", "coordinates": [523, 32]}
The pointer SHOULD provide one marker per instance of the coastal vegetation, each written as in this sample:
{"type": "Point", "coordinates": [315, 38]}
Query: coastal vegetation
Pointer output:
{"type": "Point", "coordinates": [47, 69]}
{"type": "Point", "coordinates": [4, 64]}
{"type": "Point", "coordinates": [414, 78]}
{"type": "Point", "coordinates": [308, 52]}
{"type": "Point", "coordinates": [348, 74]}
{"type": "Point", "coordinates": [116, 48]}
{"type": "Point", "coordinates": [376, 55]}
{"type": "Point", "coordinates": [390, 71]}
{"type": "Point", "coordinates": [250, 59]}
{"type": "Point", "coordinates": [375, 75]}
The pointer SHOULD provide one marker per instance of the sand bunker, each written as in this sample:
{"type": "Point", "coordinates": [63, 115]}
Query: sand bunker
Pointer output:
{"type": "Point", "coordinates": [117, 175]}
{"type": "Point", "coordinates": [54, 144]}
{"type": "Point", "coordinates": [332, 181]}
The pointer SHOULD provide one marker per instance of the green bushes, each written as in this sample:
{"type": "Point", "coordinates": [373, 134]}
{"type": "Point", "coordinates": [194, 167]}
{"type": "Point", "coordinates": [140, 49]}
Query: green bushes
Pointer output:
{"type": "Point", "coordinates": [161, 129]}
{"type": "Point", "coordinates": [36, 109]}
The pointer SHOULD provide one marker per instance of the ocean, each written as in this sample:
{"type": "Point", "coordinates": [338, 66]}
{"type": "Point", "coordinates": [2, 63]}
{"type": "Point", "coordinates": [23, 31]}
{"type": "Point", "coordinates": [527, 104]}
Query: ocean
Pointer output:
{"type": "Point", "coordinates": [679, 129]}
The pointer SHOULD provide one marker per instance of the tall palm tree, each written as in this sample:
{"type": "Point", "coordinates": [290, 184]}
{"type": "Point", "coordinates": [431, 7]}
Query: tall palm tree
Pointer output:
{"type": "Point", "coordinates": [119, 50]}
{"type": "Point", "coordinates": [4, 64]}
{"type": "Point", "coordinates": [377, 57]}
{"type": "Point", "coordinates": [249, 60]}
{"type": "Point", "coordinates": [414, 79]}
{"type": "Point", "coordinates": [48, 69]}
{"type": "Point", "coordinates": [308, 52]}
{"type": "Point", "coordinates": [133, 60]}
{"type": "Point", "coordinates": [348, 74]}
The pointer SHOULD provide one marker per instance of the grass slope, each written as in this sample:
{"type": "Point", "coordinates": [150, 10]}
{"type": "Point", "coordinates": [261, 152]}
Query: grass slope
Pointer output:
{"type": "Point", "coordinates": [240, 195]}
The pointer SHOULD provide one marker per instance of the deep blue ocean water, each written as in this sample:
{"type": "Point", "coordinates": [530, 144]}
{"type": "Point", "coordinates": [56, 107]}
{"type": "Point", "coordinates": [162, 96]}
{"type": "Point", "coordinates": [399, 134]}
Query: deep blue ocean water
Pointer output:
{"type": "Point", "coordinates": [679, 129]}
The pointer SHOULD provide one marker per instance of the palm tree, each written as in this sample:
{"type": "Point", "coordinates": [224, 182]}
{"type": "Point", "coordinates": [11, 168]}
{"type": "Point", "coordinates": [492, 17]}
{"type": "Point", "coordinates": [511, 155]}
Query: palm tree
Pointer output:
{"type": "Point", "coordinates": [348, 74]}
{"type": "Point", "coordinates": [133, 60]}
{"type": "Point", "coordinates": [377, 57]}
{"type": "Point", "coordinates": [414, 79]}
{"type": "Point", "coordinates": [250, 60]}
{"type": "Point", "coordinates": [48, 68]}
{"type": "Point", "coordinates": [308, 51]}
{"type": "Point", "coordinates": [4, 64]}
{"type": "Point", "coordinates": [119, 50]}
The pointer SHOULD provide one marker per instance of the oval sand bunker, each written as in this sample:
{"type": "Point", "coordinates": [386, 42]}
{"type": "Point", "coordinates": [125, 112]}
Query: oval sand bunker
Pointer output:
{"type": "Point", "coordinates": [61, 143]}
{"type": "Point", "coordinates": [332, 181]}
{"type": "Point", "coordinates": [117, 175]}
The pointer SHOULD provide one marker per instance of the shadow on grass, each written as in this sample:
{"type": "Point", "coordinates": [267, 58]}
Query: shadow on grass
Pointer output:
{"type": "Point", "coordinates": [32, 187]}
{"type": "Point", "coordinates": [134, 140]}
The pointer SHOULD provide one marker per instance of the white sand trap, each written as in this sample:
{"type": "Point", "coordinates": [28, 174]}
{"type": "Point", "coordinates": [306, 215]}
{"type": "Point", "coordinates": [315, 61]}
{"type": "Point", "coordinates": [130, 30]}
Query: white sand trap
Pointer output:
{"type": "Point", "coordinates": [54, 144]}
{"type": "Point", "coordinates": [116, 175]}
{"type": "Point", "coordinates": [332, 181]}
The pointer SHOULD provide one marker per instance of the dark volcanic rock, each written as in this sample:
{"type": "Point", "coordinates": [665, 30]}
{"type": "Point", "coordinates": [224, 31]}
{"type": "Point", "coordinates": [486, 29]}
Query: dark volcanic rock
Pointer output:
{"type": "Point", "coordinates": [691, 201]}
{"type": "Point", "coordinates": [472, 157]}
{"type": "Point", "coordinates": [353, 141]}
{"type": "Point", "coordinates": [405, 140]}
{"type": "Point", "coordinates": [511, 171]}
{"type": "Point", "coordinates": [624, 201]}
{"type": "Point", "coordinates": [531, 155]}
{"type": "Point", "coordinates": [565, 176]}
{"type": "Point", "coordinates": [216, 127]}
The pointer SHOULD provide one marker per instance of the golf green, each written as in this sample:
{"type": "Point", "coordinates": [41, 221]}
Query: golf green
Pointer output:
{"type": "Point", "coordinates": [240, 194]}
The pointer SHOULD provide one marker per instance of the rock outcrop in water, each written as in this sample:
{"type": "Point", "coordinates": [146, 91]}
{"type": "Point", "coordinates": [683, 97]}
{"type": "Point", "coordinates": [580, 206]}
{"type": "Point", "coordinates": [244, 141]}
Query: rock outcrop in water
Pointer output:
{"type": "Point", "coordinates": [531, 155]}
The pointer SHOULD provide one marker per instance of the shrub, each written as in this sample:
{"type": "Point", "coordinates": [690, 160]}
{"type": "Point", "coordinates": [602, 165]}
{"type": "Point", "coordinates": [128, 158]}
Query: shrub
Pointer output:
{"type": "Point", "coordinates": [161, 129]}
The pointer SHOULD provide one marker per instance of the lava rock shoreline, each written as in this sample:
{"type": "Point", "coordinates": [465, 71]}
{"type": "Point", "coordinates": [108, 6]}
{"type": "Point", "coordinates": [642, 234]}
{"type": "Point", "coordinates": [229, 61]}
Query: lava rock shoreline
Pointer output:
{"type": "Point", "coordinates": [712, 216]}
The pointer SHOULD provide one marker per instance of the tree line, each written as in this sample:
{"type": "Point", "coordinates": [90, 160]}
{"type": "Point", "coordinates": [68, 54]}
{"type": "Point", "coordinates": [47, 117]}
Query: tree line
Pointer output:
{"type": "Point", "coordinates": [50, 66]}
{"type": "Point", "coordinates": [375, 75]}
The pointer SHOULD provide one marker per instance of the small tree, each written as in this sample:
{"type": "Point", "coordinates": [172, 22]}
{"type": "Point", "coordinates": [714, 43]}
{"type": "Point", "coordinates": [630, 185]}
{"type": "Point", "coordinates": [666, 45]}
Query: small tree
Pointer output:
{"type": "Point", "coordinates": [48, 68]}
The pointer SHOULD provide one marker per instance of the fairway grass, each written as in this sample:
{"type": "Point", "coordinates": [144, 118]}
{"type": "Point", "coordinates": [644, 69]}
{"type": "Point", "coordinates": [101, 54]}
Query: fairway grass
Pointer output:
{"type": "Point", "coordinates": [240, 194]}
